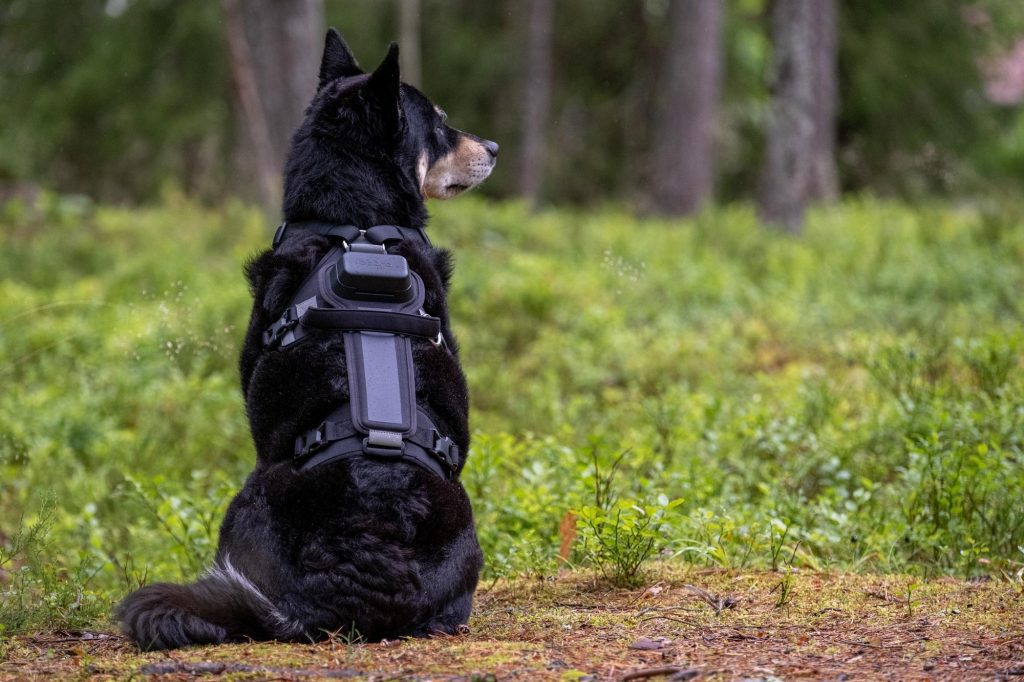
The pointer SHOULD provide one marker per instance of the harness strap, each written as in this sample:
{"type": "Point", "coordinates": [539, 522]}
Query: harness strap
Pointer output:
{"type": "Point", "coordinates": [344, 232]}
{"type": "Point", "coordinates": [342, 319]}
{"type": "Point", "coordinates": [337, 438]}
{"type": "Point", "coordinates": [378, 234]}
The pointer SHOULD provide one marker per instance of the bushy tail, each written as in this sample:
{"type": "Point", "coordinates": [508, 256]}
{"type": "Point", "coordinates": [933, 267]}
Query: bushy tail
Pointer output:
{"type": "Point", "coordinates": [221, 606]}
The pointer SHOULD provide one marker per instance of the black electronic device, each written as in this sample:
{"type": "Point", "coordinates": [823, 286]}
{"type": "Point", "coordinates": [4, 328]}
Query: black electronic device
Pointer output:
{"type": "Point", "coordinates": [367, 276]}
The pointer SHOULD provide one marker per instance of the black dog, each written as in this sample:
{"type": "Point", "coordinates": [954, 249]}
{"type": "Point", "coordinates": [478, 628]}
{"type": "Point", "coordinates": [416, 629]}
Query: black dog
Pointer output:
{"type": "Point", "coordinates": [382, 549]}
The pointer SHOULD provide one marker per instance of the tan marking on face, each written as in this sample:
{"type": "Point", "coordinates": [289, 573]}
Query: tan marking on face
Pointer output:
{"type": "Point", "coordinates": [421, 171]}
{"type": "Point", "coordinates": [463, 168]}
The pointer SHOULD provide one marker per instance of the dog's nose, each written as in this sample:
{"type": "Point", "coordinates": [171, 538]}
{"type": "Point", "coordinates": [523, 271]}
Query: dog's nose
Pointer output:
{"type": "Point", "coordinates": [492, 148]}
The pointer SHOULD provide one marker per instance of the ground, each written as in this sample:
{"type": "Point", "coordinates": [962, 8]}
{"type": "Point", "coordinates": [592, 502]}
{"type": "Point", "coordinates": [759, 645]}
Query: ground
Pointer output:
{"type": "Point", "coordinates": [686, 624]}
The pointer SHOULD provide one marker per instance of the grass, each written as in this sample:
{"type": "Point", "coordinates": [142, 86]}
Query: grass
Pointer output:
{"type": "Point", "coordinates": [646, 394]}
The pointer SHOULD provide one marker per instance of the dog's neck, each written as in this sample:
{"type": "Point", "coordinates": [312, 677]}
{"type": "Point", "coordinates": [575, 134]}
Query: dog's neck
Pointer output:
{"type": "Point", "coordinates": [345, 188]}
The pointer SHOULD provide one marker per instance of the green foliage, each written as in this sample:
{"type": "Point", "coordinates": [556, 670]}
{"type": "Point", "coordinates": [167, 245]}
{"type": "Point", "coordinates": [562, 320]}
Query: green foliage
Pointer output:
{"type": "Point", "coordinates": [852, 399]}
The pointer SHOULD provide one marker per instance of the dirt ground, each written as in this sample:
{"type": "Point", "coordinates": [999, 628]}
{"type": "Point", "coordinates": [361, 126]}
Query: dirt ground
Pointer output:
{"type": "Point", "coordinates": [689, 624]}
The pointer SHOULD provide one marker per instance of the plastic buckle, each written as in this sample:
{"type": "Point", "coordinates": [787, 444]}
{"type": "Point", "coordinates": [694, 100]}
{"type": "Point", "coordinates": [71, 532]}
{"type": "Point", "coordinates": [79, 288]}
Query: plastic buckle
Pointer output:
{"type": "Point", "coordinates": [447, 451]}
{"type": "Point", "coordinates": [383, 450]}
{"type": "Point", "coordinates": [279, 235]}
{"type": "Point", "coordinates": [311, 441]}
{"type": "Point", "coordinates": [274, 334]}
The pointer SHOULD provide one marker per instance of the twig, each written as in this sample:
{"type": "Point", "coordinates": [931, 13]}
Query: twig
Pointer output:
{"type": "Point", "coordinates": [852, 643]}
{"type": "Point", "coordinates": [672, 670]}
{"type": "Point", "coordinates": [667, 609]}
{"type": "Point", "coordinates": [714, 601]}
{"type": "Point", "coordinates": [895, 645]}
{"type": "Point", "coordinates": [208, 668]}
{"type": "Point", "coordinates": [676, 619]}
{"type": "Point", "coordinates": [582, 607]}
{"type": "Point", "coordinates": [84, 636]}
{"type": "Point", "coordinates": [884, 596]}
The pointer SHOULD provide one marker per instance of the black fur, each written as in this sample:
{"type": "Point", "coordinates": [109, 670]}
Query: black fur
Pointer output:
{"type": "Point", "coordinates": [381, 549]}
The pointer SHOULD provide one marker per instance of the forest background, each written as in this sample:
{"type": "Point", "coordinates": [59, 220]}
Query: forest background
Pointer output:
{"type": "Point", "coordinates": [118, 99]}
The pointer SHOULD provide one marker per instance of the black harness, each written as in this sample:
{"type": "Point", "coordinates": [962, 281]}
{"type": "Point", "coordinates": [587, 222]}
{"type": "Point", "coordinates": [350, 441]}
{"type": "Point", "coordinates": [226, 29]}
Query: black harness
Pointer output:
{"type": "Point", "coordinates": [376, 301]}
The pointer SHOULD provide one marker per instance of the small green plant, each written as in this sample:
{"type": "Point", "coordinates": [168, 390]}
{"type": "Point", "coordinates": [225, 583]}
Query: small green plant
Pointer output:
{"type": "Point", "coordinates": [785, 588]}
{"type": "Point", "coordinates": [777, 532]}
{"type": "Point", "coordinates": [619, 535]}
{"type": "Point", "coordinates": [346, 640]}
{"type": "Point", "coordinates": [911, 601]}
{"type": "Point", "coordinates": [1015, 580]}
{"type": "Point", "coordinates": [620, 538]}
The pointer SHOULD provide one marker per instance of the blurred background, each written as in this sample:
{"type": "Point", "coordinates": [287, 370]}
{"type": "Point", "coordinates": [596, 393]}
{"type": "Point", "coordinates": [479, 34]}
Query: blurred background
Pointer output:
{"type": "Point", "coordinates": [656, 104]}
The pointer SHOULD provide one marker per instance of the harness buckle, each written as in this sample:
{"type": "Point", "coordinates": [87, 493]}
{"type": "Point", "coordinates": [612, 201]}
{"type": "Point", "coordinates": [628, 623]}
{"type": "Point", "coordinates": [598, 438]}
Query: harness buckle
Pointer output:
{"type": "Point", "coordinates": [275, 333]}
{"type": "Point", "coordinates": [311, 441]}
{"type": "Point", "coordinates": [437, 341]}
{"type": "Point", "coordinates": [446, 451]}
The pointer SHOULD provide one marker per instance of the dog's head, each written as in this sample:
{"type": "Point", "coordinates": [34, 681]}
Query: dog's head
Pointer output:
{"type": "Point", "coordinates": [378, 116]}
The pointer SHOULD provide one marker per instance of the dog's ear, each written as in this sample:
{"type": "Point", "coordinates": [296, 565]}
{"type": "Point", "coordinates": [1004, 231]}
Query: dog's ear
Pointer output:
{"type": "Point", "coordinates": [383, 88]}
{"type": "Point", "coordinates": [338, 61]}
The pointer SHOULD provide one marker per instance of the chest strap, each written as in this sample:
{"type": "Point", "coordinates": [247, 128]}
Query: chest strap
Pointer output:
{"type": "Point", "coordinates": [378, 234]}
{"type": "Point", "coordinates": [337, 438]}
{"type": "Point", "coordinates": [348, 320]}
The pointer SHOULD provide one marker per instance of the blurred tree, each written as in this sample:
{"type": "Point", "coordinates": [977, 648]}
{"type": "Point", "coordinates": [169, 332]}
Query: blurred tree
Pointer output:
{"type": "Point", "coordinates": [275, 48]}
{"type": "Point", "coordinates": [258, 155]}
{"type": "Point", "coordinates": [536, 99]}
{"type": "Point", "coordinates": [409, 38]}
{"type": "Point", "coordinates": [823, 182]}
{"type": "Point", "coordinates": [799, 154]}
{"type": "Point", "coordinates": [684, 145]}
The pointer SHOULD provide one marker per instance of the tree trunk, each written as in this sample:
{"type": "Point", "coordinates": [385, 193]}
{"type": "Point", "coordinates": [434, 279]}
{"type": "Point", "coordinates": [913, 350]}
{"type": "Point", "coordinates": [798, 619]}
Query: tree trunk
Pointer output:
{"type": "Point", "coordinates": [536, 99]}
{"type": "Point", "coordinates": [275, 48]}
{"type": "Point", "coordinates": [684, 144]}
{"type": "Point", "coordinates": [799, 163]}
{"type": "Point", "coordinates": [823, 184]}
{"type": "Point", "coordinates": [409, 12]}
